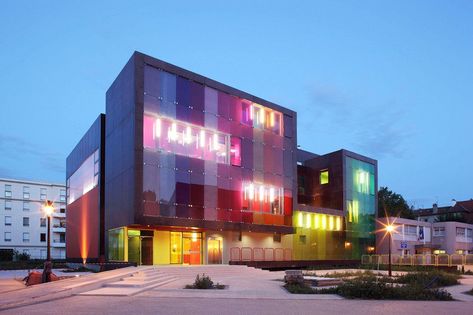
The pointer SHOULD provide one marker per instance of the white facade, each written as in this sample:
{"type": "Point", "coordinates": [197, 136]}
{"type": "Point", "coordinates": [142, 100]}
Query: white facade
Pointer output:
{"type": "Point", "coordinates": [23, 225]}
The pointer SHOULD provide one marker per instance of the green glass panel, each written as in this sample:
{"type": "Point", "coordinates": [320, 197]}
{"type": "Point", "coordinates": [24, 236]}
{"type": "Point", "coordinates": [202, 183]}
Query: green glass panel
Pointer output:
{"type": "Point", "coordinates": [324, 177]}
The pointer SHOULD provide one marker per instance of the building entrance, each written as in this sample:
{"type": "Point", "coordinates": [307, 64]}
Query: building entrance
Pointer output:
{"type": "Point", "coordinates": [186, 248]}
{"type": "Point", "coordinates": [214, 250]}
{"type": "Point", "coordinates": [140, 247]}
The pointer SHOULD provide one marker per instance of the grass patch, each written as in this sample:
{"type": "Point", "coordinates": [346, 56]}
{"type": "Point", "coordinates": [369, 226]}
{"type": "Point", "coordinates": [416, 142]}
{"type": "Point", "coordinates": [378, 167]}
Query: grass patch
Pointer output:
{"type": "Point", "coordinates": [204, 283]}
{"type": "Point", "coordinates": [430, 279]}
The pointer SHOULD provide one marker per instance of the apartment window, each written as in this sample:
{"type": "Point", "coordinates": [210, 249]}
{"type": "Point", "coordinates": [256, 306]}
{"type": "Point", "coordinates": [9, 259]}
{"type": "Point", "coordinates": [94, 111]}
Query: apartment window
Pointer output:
{"type": "Point", "coordinates": [439, 231]}
{"type": "Point", "coordinates": [26, 237]}
{"type": "Point", "coordinates": [323, 177]}
{"type": "Point", "coordinates": [43, 194]}
{"type": "Point", "coordinates": [7, 236]}
{"type": "Point", "coordinates": [42, 254]}
{"type": "Point", "coordinates": [62, 196]}
{"type": "Point", "coordinates": [461, 232]}
{"type": "Point", "coordinates": [469, 233]}
{"type": "Point", "coordinates": [7, 204]}
{"type": "Point", "coordinates": [26, 206]}
{"type": "Point", "coordinates": [8, 191]}
{"type": "Point", "coordinates": [62, 237]}
{"type": "Point", "coordinates": [7, 220]}
{"type": "Point", "coordinates": [42, 237]}
{"type": "Point", "coordinates": [26, 192]}
{"type": "Point", "coordinates": [62, 210]}
{"type": "Point", "coordinates": [26, 221]}
{"type": "Point", "coordinates": [42, 222]}
{"type": "Point", "coordinates": [410, 230]}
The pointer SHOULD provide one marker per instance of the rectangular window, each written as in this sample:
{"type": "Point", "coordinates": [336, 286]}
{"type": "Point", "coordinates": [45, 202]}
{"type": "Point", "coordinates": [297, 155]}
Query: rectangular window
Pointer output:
{"type": "Point", "coordinates": [262, 198]}
{"type": "Point", "coordinates": [26, 221]}
{"type": "Point", "coordinates": [82, 180]}
{"type": "Point", "coordinates": [43, 194]}
{"type": "Point", "coordinates": [439, 231]}
{"type": "Point", "coordinates": [410, 230]}
{"type": "Point", "coordinates": [324, 177]}
{"type": "Point", "coordinates": [172, 136]}
{"type": "Point", "coordinates": [26, 192]}
{"type": "Point", "coordinates": [8, 193]}
{"type": "Point", "coordinates": [62, 196]}
{"type": "Point", "coordinates": [62, 237]}
{"type": "Point", "coordinates": [7, 220]}
{"type": "Point", "coordinates": [42, 237]}
{"type": "Point", "coordinates": [62, 210]}
{"type": "Point", "coordinates": [469, 233]}
{"type": "Point", "coordinates": [235, 149]}
{"type": "Point", "coordinates": [42, 222]}
{"type": "Point", "coordinates": [461, 232]}
{"type": "Point", "coordinates": [26, 206]}
{"type": "Point", "coordinates": [7, 236]}
{"type": "Point", "coordinates": [7, 204]}
{"type": "Point", "coordinates": [26, 237]}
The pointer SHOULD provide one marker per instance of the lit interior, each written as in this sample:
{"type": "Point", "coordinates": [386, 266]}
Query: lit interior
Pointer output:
{"type": "Point", "coordinates": [317, 221]}
{"type": "Point", "coordinates": [262, 198]}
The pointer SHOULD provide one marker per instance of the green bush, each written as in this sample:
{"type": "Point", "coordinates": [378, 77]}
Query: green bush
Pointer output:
{"type": "Point", "coordinates": [204, 282]}
{"type": "Point", "coordinates": [430, 279]}
{"type": "Point", "coordinates": [299, 288]}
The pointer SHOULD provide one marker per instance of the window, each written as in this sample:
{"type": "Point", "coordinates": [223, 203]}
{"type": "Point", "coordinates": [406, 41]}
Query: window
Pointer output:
{"type": "Point", "coordinates": [257, 116]}
{"type": "Point", "coordinates": [82, 180]}
{"type": "Point", "coordinates": [7, 220]}
{"type": "Point", "coordinates": [62, 210]}
{"type": "Point", "coordinates": [42, 254]}
{"type": "Point", "coordinates": [26, 206]}
{"type": "Point", "coordinates": [7, 236]}
{"type": "Point", "coordinates": [26, 237]}
{"type": "Point", "coordinates": [26, 221]}
{"type": "Point", "coordinates": [62, 237]}
{"type": "Point", "coordinates": [62, 196]}
{"type": "Point", "coordinates": [8, 191]}
{"type": "Point", "coordinates": [7, 204]}
{"type": "Point", "coordinates": [469, 233]}
{"type": "Point", "coordinates": [262, 198]}
{"type": "Point", "coordinates": [439, 231]}
{"type": "Point", "coordinates": [42, 237]}
{"type": "Point", "coordinates": [42, 222]}
{"type": "Point", "coordinates": [323, 177]}
{"type": "Point", "coordinates": [235, 149]}
{"type": "Point", "coordinates": [460, 232]}
{"type": "Point", "coordinates": [410, 230]}
{"type": "Point", "coordinates": [43, 195]}
{"type": "Point", "coordinates": [26, 192]}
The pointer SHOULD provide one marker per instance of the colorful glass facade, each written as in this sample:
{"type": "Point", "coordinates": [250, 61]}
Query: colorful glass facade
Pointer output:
{"type": "Point", "coordinates": [211, 155]}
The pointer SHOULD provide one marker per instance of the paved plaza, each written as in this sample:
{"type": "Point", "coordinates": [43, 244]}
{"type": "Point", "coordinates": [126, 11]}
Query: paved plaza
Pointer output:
{"type": "Point", "coordinates": [159, 290]}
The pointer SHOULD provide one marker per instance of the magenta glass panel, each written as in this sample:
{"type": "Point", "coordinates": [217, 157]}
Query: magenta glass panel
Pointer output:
{"type": "Point", "coordinates": [247, 153]}
{"type": "Point", "coordinates": [247, 217]}
{"type": "Point", "coordinates": [148, 132]}
{"type": "Point", "coordinates": [197, 212]}
{"type": "Point", "coordinates": [224, 105]}
{"type": "Point", "coordinates": [235, 151]}
{"type": "Point", "coordinates": [234, 109]}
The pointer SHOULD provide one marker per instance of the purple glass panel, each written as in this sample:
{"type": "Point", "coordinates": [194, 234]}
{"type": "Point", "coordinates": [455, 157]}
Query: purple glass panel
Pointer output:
{"type": "Point", "coordinates": [152, 81]}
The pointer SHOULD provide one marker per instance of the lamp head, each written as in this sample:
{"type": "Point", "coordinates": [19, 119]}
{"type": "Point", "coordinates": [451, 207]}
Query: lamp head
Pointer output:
{"type": "Point", "coordinates": [389, 228]}
{"type": "Point", "coordinates": [48, 208]}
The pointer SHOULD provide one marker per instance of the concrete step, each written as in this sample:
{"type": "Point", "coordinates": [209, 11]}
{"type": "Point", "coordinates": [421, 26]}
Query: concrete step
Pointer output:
{"type": "Point", "coordinates": [138, 283]}
{"type": "Point", "coordinates": [125, 291]}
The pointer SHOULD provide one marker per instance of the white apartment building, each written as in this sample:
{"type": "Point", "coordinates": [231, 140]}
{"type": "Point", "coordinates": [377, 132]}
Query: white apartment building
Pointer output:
{"type": "Point", "coordinates": [23, 225]}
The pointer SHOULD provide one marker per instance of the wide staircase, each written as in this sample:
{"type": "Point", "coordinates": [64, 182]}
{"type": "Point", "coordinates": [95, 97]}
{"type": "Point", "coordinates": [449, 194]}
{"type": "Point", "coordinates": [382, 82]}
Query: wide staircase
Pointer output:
{"type": "Point", "coordinates": [147, 278]}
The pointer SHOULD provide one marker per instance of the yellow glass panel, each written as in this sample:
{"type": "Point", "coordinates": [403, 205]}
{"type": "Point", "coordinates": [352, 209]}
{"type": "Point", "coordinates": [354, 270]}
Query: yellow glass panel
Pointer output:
{"type": "Point", "coordinates": [338, 224]}
{"type": "Point", "coordinates": [324, 221]}
{"type": "Point", "coordinates": [330, 223]}
{"type": "Point", "coordinates": [300, 220]}
{"type": "Point", "coordinates": [176, 248]}
{"type": "Point", "coordinates": [316, 221]}
{"type": "Point", "coordinates": [307, 220]}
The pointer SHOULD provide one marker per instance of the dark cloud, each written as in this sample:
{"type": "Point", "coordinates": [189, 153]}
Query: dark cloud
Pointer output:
{"type": "Point", "coordinates": [19, 149]}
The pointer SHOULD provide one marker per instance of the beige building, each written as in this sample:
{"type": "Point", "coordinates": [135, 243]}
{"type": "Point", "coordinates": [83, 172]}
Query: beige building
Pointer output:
{"type": "Point", "coordinates": [419, 237]}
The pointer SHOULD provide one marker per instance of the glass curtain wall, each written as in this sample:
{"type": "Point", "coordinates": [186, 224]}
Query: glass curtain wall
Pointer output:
{"type": "Point", "coordinates": [360, 206]}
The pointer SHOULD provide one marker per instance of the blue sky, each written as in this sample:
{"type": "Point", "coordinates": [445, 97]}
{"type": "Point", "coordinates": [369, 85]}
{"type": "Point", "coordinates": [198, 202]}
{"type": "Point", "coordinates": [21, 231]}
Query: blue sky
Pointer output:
{"type": "Point", "coordinates": [388, 79]}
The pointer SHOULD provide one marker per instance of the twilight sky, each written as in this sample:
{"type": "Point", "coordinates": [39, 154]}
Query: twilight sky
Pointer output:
{"type": "Point", "coordinates": [389, 79]}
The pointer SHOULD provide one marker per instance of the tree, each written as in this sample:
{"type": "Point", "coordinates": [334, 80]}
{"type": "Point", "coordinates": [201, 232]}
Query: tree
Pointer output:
{"type": "Point", "coordinates": [391, 204]}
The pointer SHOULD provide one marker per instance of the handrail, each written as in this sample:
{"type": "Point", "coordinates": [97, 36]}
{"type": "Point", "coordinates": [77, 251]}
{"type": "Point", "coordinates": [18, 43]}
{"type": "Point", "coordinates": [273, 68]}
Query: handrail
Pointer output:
{"type": "Point", "coordinates": [420, 259]}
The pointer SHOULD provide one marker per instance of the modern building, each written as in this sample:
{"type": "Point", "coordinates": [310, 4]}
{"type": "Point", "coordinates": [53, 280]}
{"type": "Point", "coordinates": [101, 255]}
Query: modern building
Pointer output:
{"type": "Point", "coordinates": [420, 237]}
{"type": "Point", "coordinates": [183, 169]}
{"type": "Point", "coordinates": [23, 227]}
{"type": "Point", "coordinates": [460, 211]}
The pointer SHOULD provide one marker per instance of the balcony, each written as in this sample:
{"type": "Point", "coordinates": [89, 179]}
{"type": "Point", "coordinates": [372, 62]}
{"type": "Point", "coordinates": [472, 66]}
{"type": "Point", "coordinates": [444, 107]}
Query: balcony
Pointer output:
{"type": "Point", "coordinates": [58, 243]}
{"type": "Point", "coordinates": [59, 229]}
{"type": "Point", "coordinates": [59, 215]}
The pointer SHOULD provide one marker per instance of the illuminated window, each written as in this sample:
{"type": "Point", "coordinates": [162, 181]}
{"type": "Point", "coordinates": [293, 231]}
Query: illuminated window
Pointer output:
{"type": "Point", "coordinates": [235, 149]}
{"type": "Point", "coordinates": [324, 177]}
{"type": "Point", "coordinates": [84, 179]}
{"type": "Point", "coordinates": [261, 117]}
{"type": "Point", "coordinates": [363, 181]}
{"type": "Point", "coordinates": [168, 135]}
{"type": "Point", "coordinates": [353, 210]}
{"type": "Point", "coordinates": [262, 198]}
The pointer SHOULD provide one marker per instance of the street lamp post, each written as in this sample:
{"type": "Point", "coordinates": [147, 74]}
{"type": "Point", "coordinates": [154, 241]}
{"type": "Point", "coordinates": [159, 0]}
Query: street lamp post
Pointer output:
{"type": "Point", "coordinates": [48, 209]}
{"type": "Point", "coordinates": [389, 229]}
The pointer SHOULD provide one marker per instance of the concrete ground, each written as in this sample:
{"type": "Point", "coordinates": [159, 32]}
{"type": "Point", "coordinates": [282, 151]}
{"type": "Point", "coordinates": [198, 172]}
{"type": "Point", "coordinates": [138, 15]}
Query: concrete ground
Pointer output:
{"type": "Point", "coordinates": [251, 291]}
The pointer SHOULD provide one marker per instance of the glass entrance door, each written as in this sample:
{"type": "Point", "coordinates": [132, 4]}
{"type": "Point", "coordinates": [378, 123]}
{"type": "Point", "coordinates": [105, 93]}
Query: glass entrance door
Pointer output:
{"type": "Point", "coordinates": [214, 250]}
{"type": "Point", "coordinates": [146, 250]}
{"type": "Point", "coordinates": [192, 248]}
{"type": "Point", "coordinates": [134, 249]}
